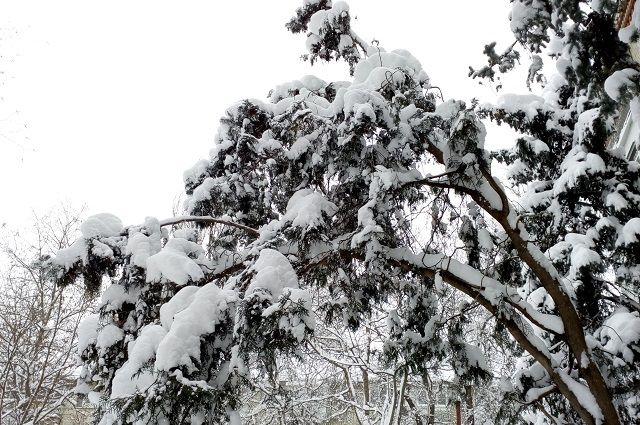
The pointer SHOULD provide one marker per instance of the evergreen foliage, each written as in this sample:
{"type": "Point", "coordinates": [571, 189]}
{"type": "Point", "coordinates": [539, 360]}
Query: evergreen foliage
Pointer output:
{"type": "Point", "coordinates": [382, 197]}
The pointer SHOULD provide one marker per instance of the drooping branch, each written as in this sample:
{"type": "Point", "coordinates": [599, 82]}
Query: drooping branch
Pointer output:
{"type": "Point", "coordinates": [360, 42]}
{"type": "Point", "coordinates": [208, 220]}
{"type": "Point", "coordinates": [547, 322]}
{"type": "Point", "coordinates": [551, 389]}
{"type": "Point", "coordinates": [546, 274]}
{"type": "Point", "coordinates": [465, 279]}
{"type": "Point", "coordinates": [518, 328]}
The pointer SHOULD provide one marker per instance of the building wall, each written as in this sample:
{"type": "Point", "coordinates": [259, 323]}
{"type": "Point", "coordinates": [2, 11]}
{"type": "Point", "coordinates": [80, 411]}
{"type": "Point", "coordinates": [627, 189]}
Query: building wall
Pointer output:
{"type": "Point", "coordinates": [76, 415]}
{"type": "Point", "coordinates": [628, 137]}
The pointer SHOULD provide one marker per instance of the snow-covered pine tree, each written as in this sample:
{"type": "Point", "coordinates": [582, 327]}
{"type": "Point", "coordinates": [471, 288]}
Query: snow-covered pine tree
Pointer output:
{"type": "Point", "coordinates": [368, 188]}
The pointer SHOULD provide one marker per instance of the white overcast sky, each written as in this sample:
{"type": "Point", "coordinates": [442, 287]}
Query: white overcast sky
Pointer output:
{"type": "Point", "coordinates": [106, 103]}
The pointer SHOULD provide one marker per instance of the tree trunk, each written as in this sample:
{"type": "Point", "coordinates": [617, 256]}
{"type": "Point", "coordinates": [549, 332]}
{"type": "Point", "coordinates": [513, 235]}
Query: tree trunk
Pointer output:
{"type": "Point", "coordinates": [365, 388]}
{"type": "Point", "coordinates": [573, 328]}
{"type": "Point", "coordinates": [469, 399]}
{"type": "Point", "coordinates": [414, 410]}
{"type": "Point", "coordinates": [432, 412]}
{"type": "Point", "coordinates": [365, 374]}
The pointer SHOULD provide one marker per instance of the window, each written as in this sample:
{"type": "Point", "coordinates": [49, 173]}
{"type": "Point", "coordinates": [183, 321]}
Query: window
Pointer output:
{"type": "Point", "coordinates": [633, 154]}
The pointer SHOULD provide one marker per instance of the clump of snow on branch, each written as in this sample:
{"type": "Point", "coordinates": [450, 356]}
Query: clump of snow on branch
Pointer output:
{"type": "Point", "coordinates": [620, 336]}
{"type": "Point", "coordinates": [208, 309]}
{"type": "Point", "coordinates": [176, 262]}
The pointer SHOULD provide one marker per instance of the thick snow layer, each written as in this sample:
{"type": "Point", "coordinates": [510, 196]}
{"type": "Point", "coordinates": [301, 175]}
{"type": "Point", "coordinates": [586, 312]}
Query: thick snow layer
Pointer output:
{"type": "Point", "coordinates": [449, 109]}
{"type": "Point", "coordinates": [584, 126]}
{"type": "Point", "coordinates": [619, 82]}
{"type": "Point", "coordinates": [141, 247]}
{"type": "Point", "coordinates": [306, 208]}
{"type": "Point", "coordinates": [537, 145]}
{"type": "Point", "coordinates": [540, 299]}
{"type": "Point", "coordinates": [367, 222]}
{"type": "Point", "coordinates": [523, 13]}
{"type": "Point", "coordinates": [362, 102]}
{"type": "Point", "coordinates": [534, 371]}
{"type": "Point", "coordinates": [129, 380]}
{"type": "Point", "coordinates": [528, 103]}
{"type": "Point", "coordinates": [298, 148]}
{"type": "Point", "coordinates": [535, 392]}
{"type": "Point", "coordinates": [491, 289]}
{"type": "Point", "coordinates": [97, 226]}
{"type": "Point", "coordinates": [616, 201]}
{"type": "Point", "coordinates": [323, 19]}
{"type": "Point", "coordinates": [476, 357]}
{"type": "Point", "coordinates": [309, 83]}
{"type": "Point", "coordinates": [383, 68]}
{"type": "Point", "coordinates": [620, 334]}
{"type": "Point", "coordinates": [516, 169]}
{"type": "Point", "coordinates": [577, 164]}
{"type": "Point", "coordinates": [273, 274]}
{"type": "Point", "coordinates": [209, 307]}
{"type": "Point", "coordinates": [109, 335]}
{"type": "Point", "coordinates": [490, 194]}
{"type": "Point", "coordinates": [276, 281]}
{"type": "Point", "coordinates": [101, 225]}
{"type": "Point", "coordinates": [388, 178]}
{"type": "Point", "coordinates": [584, 395]}
{"type": "Point", "coordinates": [174, 263]}
{"type": "Point", "coordinates": [176, 304]}
{"type": "Point", "coordinates": [67, 257]}
{"type": "Point", "coordinates": [196, 172]}
{"type": "Point", "coordinates": [631, 231]}
{"type": "Point", "coordinates": [581, 256]}
{"type": "Point", "coordinates": [484, 239]}
{"type": "Point", "coordinates": [627, 33]}
{"type": "Point", "coordinates": [339, 7]}
{"type": "Point", "coordinates": [87, 332]}
{"type": "Point", "coordinates": [202, 193]}
{"type": "Point", "coordinates": [537, 194]}
{"type": "Point", "coordinates": [100, 249]}
{"type": "Point", "coordinates": [115, 295]}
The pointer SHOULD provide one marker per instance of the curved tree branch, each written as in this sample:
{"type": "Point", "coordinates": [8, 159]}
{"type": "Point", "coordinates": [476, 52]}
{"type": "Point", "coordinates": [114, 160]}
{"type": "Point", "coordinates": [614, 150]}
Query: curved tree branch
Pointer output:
{"type": "Point", "coordinates": [208, 220]}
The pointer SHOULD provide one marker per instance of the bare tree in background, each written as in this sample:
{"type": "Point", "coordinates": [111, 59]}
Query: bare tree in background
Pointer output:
{"type": "Point", "coordinates": [38, 322]}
